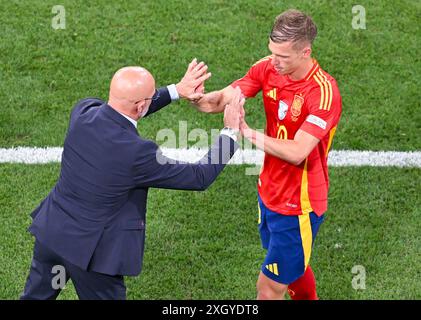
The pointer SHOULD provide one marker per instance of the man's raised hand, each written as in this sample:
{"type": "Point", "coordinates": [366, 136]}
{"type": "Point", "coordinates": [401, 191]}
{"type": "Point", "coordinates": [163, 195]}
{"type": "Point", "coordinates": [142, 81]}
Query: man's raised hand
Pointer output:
{"type": "Point", "coordinates": [191, 86]}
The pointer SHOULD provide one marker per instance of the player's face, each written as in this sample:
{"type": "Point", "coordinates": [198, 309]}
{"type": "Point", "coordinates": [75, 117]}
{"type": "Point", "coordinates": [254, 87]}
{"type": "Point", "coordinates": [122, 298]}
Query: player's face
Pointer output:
{"type": "Point", "coordinates": [285, 58]}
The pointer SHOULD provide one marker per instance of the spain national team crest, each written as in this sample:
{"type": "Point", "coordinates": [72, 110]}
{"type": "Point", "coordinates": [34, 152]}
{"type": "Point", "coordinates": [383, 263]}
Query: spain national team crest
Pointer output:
{"type": "Point", "coordinates": [282, 110]}
{"type": "Point", "coordinates": [297, 103]}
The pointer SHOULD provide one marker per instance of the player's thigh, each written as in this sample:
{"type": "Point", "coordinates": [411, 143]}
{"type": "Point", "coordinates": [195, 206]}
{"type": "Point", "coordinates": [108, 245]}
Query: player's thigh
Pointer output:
{"type": "Point", "coordinates": [264, 283]}
{"type": "Point", "coordinates": [290, 247]}
{"type": "Point", "coordinates": [284, 261]}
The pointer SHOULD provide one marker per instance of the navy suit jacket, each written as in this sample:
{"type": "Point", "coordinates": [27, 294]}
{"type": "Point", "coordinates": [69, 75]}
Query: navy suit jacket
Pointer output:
{"type": "Point", "coordinates": [94, 217]}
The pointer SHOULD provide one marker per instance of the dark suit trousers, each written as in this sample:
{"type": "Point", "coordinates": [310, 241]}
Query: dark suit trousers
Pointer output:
{"type": "Point", "coordinates": [43, 282]}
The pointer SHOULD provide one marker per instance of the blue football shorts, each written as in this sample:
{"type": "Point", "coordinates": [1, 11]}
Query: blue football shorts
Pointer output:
{"type": "Point", "coordinates": [288, 241]}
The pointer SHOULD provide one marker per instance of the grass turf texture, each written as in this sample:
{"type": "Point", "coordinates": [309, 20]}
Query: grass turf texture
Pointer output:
{"type": "Point", "coordinates": [205, 245]}
{"type": "Point", "coordinates": [45, 71]}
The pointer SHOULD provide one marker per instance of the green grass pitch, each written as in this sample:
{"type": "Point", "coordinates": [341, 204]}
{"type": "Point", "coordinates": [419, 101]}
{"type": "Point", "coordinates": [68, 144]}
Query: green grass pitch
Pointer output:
{"type": "Point", "coordinates": [206, 245]}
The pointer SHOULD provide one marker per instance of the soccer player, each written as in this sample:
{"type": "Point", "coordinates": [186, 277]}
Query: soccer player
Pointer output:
{"type": "Point", "coordinates": [303, 107]}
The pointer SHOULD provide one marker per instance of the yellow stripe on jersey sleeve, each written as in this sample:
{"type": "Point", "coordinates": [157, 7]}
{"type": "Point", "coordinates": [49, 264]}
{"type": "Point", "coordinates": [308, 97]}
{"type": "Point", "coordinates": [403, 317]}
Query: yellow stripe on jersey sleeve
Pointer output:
{"type": "Point", "coordinates": [329, 86]}
{"type": "Point", "coordinates": [322, 91]}
{"type": "Point", "coordinates": [326, 94]}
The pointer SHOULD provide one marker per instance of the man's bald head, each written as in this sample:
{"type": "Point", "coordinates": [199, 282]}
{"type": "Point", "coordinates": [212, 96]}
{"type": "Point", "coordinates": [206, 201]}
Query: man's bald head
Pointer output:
{"type": "Point", "coordinates": [128, 89]}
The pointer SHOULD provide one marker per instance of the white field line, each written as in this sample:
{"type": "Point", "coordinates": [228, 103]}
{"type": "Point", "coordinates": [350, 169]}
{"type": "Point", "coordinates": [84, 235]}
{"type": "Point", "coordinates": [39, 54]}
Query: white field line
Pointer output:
{"type": "Point", "coordinates": [337, 158]}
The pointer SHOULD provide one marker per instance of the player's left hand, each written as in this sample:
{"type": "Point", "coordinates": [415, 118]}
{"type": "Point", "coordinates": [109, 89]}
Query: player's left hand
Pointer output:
{"type": "Point", "coordinates": [192, 85]}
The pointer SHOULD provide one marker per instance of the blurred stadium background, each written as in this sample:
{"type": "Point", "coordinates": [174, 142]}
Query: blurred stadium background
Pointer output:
{"type": "Point", "coordinates": [206, 245]}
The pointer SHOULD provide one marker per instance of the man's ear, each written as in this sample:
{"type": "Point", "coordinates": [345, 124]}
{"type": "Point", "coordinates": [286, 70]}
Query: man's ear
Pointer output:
{"type": "Point", "coordinates": [306, 52]}
{"type": "Point", "coordinates": [141, 108]}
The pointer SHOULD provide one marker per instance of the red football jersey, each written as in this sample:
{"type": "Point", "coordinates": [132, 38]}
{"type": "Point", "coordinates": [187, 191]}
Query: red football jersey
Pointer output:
{"type": "Point", "coordinates": [313, 105]}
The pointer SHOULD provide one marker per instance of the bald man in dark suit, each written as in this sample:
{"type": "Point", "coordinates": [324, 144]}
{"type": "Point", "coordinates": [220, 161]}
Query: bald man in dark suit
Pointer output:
{"type": "Point", "coordinates": [91, 226]}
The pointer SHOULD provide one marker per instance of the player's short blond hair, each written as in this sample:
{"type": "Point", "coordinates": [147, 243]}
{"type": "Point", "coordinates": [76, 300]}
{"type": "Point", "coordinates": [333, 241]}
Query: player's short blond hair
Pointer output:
{"type": "Point", "coordinates": [296, 26]}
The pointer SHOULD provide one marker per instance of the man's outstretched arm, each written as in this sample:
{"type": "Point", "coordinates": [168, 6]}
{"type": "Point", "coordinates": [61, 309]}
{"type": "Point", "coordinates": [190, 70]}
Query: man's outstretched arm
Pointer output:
{"type": "Point", "coordinates": [215, 101]}
{"type": "Point", "coordinates": [152, 169]}
{"type": "Point", "coordinates": [250, 85]}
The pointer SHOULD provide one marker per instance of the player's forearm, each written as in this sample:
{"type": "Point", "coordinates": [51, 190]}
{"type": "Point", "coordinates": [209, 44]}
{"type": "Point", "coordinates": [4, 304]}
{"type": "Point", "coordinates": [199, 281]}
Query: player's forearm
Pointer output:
{"type": "Point", "coordinates": [287, 150]}
{"type": "Point", "coordinates": [212, 102]}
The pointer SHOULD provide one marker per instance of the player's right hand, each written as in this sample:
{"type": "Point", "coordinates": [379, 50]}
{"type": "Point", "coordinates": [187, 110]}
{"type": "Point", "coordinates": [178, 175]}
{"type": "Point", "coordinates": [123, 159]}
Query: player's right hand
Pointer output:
{"type": "Point", "coordinates": [234, 110]}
